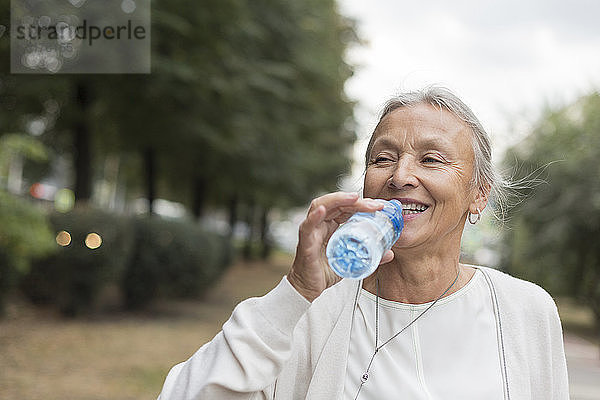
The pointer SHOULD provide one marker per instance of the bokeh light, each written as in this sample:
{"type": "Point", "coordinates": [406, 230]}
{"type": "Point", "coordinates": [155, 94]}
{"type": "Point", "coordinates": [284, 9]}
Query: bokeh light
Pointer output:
{"type": "Point", "coordinates": [63, 238]}
{"type": "Point", "coordinates": [37, 190]}
{"type": "Point", "coordinates": [128, 6]}
{"type": "Point", "coordinates": [64, 200]}
{"type": "Point", "coordinates": [93, 240]}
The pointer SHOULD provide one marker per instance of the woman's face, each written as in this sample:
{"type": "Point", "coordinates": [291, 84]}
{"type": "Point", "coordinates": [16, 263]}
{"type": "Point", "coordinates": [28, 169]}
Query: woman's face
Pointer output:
{"type": "Point", "coordinates": [423, 157]}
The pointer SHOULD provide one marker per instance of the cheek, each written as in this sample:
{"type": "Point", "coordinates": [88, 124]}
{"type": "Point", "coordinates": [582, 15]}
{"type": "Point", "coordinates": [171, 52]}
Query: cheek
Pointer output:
{"type": "Point", "coordinates": [374, 182]}
{"type": "Point", "coordinates": [450, 186]}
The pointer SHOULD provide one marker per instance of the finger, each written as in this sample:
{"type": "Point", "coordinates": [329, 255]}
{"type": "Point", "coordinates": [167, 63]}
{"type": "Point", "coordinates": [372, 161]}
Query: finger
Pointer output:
{"type": "Point", "coordinates": [306, 233]}
{"type": "Point", "coordinates": [331, 200]}
{"type": "Point", "coordinates": [314, 218]}
{"type": "Point", "coordinates": [342, 217]}
{"type": "Point", "coordinates": [360, 205]}
{"type": "Point", "coordinates": [387, 257]}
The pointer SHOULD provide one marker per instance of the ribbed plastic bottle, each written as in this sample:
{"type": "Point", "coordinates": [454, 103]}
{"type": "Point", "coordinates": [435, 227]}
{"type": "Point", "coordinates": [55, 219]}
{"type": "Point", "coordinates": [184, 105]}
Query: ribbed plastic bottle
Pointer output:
{"type": "Point", "coordinates": [356, 247]}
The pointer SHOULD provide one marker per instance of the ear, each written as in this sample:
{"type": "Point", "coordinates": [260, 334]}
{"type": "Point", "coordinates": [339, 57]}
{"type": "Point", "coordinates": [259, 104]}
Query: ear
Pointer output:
{"type": "Point", "coordinates": [481, 199]}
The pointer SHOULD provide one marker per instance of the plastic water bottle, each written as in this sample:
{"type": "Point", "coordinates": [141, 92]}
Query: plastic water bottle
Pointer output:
{"type": "Point", "coordinates": [356, 247]}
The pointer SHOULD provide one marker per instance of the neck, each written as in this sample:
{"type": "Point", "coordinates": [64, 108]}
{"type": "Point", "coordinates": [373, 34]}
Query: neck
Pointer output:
{"type": "Point", "coordinates": [418, 279]}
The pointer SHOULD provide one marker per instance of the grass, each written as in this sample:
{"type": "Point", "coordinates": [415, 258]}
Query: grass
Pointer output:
{"type": "Point", "coordinates": [123, 356]}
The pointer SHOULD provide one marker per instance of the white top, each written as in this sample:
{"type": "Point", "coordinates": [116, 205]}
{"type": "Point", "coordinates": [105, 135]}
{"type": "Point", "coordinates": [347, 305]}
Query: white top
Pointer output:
{"type": "Point", "coordinates": [281, 347]}
{"type": "Point", "coordinates": [457, 337]}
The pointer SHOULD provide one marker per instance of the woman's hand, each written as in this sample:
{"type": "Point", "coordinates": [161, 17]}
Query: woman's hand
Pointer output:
{"type": "Point", "coordinates": [310, 273]}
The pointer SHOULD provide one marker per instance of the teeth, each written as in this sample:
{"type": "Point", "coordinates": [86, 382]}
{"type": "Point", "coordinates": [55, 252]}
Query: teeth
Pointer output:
{"type": "Point", "coordinates": [413, 208]}
{"type": "Point", "coordinates": [406, 212]}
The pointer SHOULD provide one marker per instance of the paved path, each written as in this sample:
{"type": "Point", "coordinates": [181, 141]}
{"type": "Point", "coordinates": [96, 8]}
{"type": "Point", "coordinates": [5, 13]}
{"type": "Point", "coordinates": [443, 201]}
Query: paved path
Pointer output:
{"type": "Point", "coordinates": [583, 359]}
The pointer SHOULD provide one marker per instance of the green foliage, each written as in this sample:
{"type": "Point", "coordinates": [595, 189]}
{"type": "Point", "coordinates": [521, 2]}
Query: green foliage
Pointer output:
{"type": "Point", "coordinates": [172, 259]}
{"type": "Point", "coordinates": [245, 97]}
{"type": "Point", "coordinates": [15, 144]}
{"type": "Point", "coordinates": [261, 110]}
{"type": "Point", "coordinates": [24, 231]}
{"type": "Point", "coordinates": [557, 229]}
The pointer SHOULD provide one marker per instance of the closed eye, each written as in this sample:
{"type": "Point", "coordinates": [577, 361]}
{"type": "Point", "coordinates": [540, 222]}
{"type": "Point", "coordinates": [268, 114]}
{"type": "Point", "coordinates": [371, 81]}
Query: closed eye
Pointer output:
{"type": "Point", "coordinates": [382, 158]}
{"type": "Point", "coordinates": [432, 158]}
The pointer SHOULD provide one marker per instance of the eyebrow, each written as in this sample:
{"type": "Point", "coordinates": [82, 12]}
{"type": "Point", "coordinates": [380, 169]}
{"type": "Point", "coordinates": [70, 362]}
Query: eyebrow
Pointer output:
{"type": "Point", "coordinates": [426, 143]}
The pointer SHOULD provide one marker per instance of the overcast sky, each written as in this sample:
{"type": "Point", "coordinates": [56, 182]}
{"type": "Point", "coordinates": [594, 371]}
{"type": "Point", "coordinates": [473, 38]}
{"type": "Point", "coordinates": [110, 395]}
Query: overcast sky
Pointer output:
{"type": "Point", "coordinates": [506, 59]}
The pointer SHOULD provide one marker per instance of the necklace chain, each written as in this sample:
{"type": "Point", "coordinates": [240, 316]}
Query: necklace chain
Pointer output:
{"type": "Point", "coordinates": [365, 376]}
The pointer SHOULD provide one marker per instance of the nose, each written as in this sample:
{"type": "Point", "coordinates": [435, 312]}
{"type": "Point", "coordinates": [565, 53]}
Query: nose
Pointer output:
{"type": "Point", "coordinates": [404, 175]}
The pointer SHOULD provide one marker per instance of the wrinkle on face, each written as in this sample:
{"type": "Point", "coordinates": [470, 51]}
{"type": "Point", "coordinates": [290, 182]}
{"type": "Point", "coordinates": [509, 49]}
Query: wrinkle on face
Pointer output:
{"type": "Point", "coordinates": [402, 142]}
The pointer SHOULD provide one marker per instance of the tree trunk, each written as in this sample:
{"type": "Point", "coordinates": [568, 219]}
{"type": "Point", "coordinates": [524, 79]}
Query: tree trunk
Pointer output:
{"type": "Point", "coordinates": [265, 240]}
{"type": "Point", "coordinates": [149, 161]}
{"type": "Point", "coordinates": [82, 143]}
{"type": "Point", "coordinates": [577, 276]}
{"type": "Point", "coordinates": [251, 231]}
{"type": "Point", "coordinates": [199, 197]}
{"type": "Point", "coordinates": [233, 216]}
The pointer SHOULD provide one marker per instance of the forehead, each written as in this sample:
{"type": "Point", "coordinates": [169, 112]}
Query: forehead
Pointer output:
{"type": "Point", "coordinates": [423, 124]}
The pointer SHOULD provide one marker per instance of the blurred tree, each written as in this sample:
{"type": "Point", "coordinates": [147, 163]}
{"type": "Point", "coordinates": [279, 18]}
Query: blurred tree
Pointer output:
{"type": "Point", "coordinates": [295, 126]}
{"type": "Point", "coordinates": [246, 100]}
{"type": "Point", "coordinates": [59, 105]}
{"type": "Point", "coordinates": [274, 93]}
{"type": "Point", "coordinates": [557, 230]}
{"type": "Point", "coordinates": [24, 230]}
{"type": "Point", "coordinates": [244, 105]}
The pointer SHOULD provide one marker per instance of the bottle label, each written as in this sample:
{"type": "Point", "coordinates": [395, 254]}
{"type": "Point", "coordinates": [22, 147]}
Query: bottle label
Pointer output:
{"type": "Point", "coordinates": [393, 210]}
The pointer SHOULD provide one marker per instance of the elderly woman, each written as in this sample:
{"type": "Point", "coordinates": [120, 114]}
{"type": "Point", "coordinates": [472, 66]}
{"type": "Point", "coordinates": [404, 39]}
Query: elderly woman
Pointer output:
{"type": "Point", "coordinates": [424, 326]}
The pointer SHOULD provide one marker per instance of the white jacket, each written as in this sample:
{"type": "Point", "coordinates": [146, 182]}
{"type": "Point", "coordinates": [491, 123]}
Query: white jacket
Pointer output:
{"type": "Point", "coordinates": [280, 346]}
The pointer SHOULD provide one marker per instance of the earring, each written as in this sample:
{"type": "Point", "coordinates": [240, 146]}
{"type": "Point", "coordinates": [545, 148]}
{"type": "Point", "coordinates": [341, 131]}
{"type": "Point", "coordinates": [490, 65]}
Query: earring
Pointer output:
{"type": "Point", "coordinates": [477, 219]}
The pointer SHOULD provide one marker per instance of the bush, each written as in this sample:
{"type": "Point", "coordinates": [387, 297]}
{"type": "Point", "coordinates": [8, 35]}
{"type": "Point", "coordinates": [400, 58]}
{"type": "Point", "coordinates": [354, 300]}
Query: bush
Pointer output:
{"type": "Point", "coordinates": [25, 235]}
{"type": "Point", "coordinates": [145, 257]}
{"type": "Point", "coordinates": [73, 277]}
{"type": "Point", "coordinates": [172, 259]}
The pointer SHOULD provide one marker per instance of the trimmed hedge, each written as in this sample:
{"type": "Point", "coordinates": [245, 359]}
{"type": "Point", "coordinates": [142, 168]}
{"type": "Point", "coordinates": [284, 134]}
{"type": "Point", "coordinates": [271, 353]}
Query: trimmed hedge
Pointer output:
{"type": "Point", "coordinates": [73, 277]}
{"type": "Point", "coordinates": [146, 258]}
{"type": "Point", "coordinates": [173, 259]}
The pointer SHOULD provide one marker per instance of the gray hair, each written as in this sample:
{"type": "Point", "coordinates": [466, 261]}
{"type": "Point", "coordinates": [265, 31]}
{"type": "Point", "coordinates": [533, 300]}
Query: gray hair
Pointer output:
{"type": "Point", "coordinates": [484, 173]}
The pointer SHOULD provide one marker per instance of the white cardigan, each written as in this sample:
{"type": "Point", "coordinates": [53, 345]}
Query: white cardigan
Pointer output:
{"type": "Point", "coordinates": [280, 346]}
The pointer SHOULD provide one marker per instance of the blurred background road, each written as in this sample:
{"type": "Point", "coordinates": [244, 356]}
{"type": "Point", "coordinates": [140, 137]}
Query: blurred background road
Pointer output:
{"type": "Point", "coordinates": [583, 359]}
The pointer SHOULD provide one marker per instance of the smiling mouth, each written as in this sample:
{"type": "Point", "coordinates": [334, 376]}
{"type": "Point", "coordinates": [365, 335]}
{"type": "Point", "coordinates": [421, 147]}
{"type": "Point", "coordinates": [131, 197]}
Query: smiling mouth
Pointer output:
{"type": "Point", "coordinates": [413, 208]}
